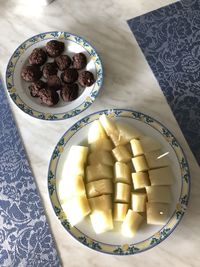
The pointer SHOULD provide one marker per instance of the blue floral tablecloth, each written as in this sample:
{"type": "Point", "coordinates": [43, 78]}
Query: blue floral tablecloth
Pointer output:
{"type": "Point", "coordinates": [170, 40]}
{"type": "Point", "coordinates": [25, 237]}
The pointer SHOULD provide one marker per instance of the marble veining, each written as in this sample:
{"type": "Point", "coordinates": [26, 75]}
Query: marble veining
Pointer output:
{"type": "Point", "coordinates": [129, 83]}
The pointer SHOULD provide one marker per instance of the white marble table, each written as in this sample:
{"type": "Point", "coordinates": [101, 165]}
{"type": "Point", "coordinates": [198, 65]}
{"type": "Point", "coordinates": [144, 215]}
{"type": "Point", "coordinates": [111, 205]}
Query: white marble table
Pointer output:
{"type": "Point", "coordinates": [129, 83]}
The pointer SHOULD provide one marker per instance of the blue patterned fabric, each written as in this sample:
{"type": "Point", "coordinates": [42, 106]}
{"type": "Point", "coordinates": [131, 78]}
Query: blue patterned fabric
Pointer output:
{"type": "Point", "coordinates": [25, 238]}
{"type": "Point", "coordinates": [170, 40]}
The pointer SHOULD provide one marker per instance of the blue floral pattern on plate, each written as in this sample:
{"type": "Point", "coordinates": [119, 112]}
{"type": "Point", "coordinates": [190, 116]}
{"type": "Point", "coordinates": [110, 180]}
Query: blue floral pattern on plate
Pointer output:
{"type": "Point", "coordinates": [169, 39]}
{"type": "Point", "coordinates": [25, 238]}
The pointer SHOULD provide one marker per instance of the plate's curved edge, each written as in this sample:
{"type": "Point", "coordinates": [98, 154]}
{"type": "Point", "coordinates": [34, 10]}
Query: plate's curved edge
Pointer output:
{"type": "Point", "coordinates": [181, 206]}
{"type": "Point", "coordinates": [48, 116]}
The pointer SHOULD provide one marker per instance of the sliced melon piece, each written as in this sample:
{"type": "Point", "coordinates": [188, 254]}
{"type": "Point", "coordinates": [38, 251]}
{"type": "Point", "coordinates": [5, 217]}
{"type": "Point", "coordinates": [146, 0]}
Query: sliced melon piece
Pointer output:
{"type": "Point", "coordinates": [101, 202]}
{"type": "Point", "coordinates": [144, 145]}
{"type": "Point", "coordinates": [122, 192]}
{"type": "Point", "coordinates": [131, 223]}
{"type": "Point", "coordinates": [108, 125]}
{"type": "Point", "coordinates": [70, 186]}
{"type": "Point", "coordinates": [98, 171]}
{"type": "Point", "coordinates": [73, 168]}
{"type": "Point", "coordinates": [102, 144]}
{"type": "Point", "coordinates": [136, 147]}
{"type": "Point", "coordinates": [102, 157]}
{"type": "Point", "coordinates": [159, 193]}
{"type": "Point", "coordinates": [161, 176]}
{"type": "Point", "coordinates": [157, 213]}
{"type": "Point", "coordinates": [100, 187]}
{"type": "Point", "coordinates": [122, 154]}
{"type": "Point", "coordinates": [76, 159]}
{"type": "Point", "coordinates": [102, 221]}
{"type": "Point", "coordinates": [96, 132]}
{"type": "Point", "coordinates": [139, 201]}
{"type": "Point", "coordinates": [120, 132]}
{"type": "Point", "coordinates": [78, 155]}
{"type": "Point", "coordinates": [122, 173]}
{"type": "Point", "coordinates": [115, 137]}
{"type": "Point", "coordinates": [140, 164]}
{"type": "Point", "coordinates": [126, 132]}
{"type": "Point", "coordinates": [156, 159]}
{"type": "Point", "coordinates": [140, 180]}
{"type": "Point", "coordinates": [76, 209]}
{"type": "Point", "coordinates": [120, 210]}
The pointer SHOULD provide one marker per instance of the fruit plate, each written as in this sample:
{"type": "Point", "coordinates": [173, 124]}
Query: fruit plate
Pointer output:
{"type": "Point", "coordinates": [18, 89]}
{"type": "Point", "coordinates": [148, 236]}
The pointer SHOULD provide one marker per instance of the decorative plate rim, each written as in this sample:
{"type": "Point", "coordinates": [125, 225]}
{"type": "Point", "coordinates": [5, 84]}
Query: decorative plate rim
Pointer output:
{"type": "Point", "coordinates": [87, 102]}
{"type": "Point", "coordinates": [154, 239]}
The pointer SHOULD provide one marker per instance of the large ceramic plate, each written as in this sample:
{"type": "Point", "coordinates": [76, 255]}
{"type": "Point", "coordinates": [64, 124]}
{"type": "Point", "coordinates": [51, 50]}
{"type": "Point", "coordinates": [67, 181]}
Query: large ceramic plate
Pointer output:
{"type": "Point", "coordinates": [18, 89]}
{"type": "Point", "coordinates": [148, 236]}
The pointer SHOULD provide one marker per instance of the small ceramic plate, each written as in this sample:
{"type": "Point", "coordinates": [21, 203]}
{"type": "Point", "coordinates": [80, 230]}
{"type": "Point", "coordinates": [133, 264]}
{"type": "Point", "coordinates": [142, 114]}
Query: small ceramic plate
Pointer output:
{"type": "Point", "coordinates": [149, 235]}
{"type": "Point", "coordinates": [18, 88]}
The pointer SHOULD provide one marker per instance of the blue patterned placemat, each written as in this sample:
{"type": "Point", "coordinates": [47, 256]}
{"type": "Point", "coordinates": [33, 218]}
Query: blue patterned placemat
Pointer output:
{"type": "Point", "coordinates": [170, 40]}
{"type": "Point", "coordinates": [25, 237]}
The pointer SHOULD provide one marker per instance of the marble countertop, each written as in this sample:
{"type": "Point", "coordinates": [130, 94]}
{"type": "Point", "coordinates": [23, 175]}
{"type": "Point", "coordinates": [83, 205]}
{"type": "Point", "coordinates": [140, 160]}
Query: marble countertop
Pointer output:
{"type": "Point", "coordinates": [129, 83]}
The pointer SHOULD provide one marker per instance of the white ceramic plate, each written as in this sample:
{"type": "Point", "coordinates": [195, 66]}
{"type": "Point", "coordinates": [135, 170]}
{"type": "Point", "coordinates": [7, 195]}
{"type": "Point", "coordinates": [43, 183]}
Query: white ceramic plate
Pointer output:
{"type": "Point", "coordinates": [148, 236]}
{"type": "Point", "coordinates": [18, 88]}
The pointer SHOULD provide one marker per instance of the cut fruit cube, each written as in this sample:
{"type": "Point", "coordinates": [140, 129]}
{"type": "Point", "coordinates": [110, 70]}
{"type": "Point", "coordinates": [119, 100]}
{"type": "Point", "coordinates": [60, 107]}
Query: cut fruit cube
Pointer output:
{"type": "Point", "coordinates": [122, 192]}
{"type": "Point", "coordinates": [102, 157]}
{"type": "Point", "coordinates": [76, 159]}
{"type": "Point", "coordinates": [98, 171]}
{"type": "Point", "coordinates": [120, 132]}
{"type": "Point", "coordinates": [140, 180]}
{"type": "Point", "coordinates": [161, 194]}
{"type": "Point", "coordinates": [108, 125]}
{"type": "Point", "coordinates": [126, 132]}
{"type": "Point", "coordinates": [76, 209]}
{"type": "Point", "coordinates": [122, 173]}
{"type": "Point", "coordinates": [77, 155]}
{"type": "Point", "coordinates": [161, 176]}
{"type": "Point", "coordinates": [101, 202]}
{"type": "Point", "coordinates": [156, 159]}
{"type": "Point", "coordinates": [131, 223]}
{"type": "Point", "coordinates": [101, 221]}
{"type": "Point", "coordinates": [136, 147]}
{"type": "Point", "coordinates": [70, 186]}
{"type": "Point", "coordinates": [122, 154]}
{"type": "Point", "coordinates": [102, 144]}
{"type": "Point", "coordinates": [120, 210]}
{"type": "Point", "coordinates": [116, 139]}
{"type": "Point", "coordinates": [139, 202]}
{"type": "Point", "coordinates": [100, 187]}
{"type": "Point", "coordinates": [96, 132]}
{"type": "Point", "coordinates": [144, 145]}
{"type": "Point", "coordinates": [140, 164]}
{"type": "Point", "coordinates": [157, 213]}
